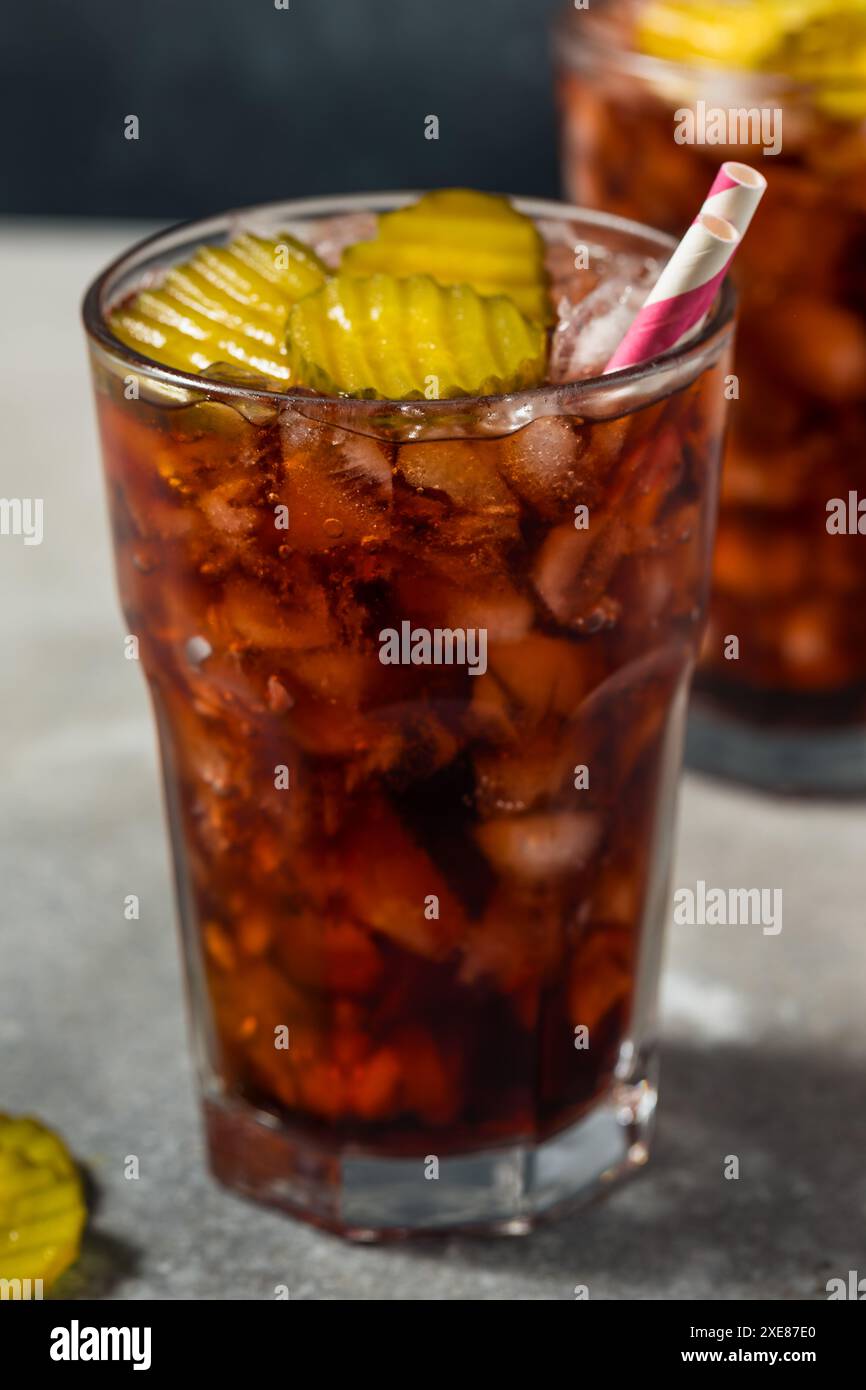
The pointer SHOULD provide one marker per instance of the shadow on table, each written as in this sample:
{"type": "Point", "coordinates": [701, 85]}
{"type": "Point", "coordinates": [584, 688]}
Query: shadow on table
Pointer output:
{"type": "Point", "coordinates": [103, 1264]}
{"type": "Point", "coordinates": [792, 1220]}
{"type": "Point", "coordinates": [104, 1261]}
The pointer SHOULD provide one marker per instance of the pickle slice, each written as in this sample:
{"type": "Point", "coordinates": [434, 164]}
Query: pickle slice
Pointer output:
{"type": "Point", "coordinates": [42, 1209]}
{"type": "Point", "coordinates": [819, 42]}
{"type": "Point", "coordinates": [402, 339]}
{"type": "Point", "coordinates": [694, 30]}
{"type": "Point", "coordinates": [228, 304]}
{"type": "Point", "coordinates": [460, 237]}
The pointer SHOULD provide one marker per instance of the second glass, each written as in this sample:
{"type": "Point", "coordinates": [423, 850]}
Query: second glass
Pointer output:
{"type": "Point", "coordinates": [786, 706]}
{"type": "Point", "coordinates": [420, 672]}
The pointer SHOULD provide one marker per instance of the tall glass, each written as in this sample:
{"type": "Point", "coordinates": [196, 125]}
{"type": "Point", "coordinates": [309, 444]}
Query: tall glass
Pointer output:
{"type": "Point", "coordinates": [784, 705]}
{"type": "Point", "coordinates": [419, 672]}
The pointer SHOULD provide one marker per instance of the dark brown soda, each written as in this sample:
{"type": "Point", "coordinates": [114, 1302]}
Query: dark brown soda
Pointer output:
{"type": "Point", "coordinates": [792, 591]}
{"type": "Point", "coordinates": [398, 870]}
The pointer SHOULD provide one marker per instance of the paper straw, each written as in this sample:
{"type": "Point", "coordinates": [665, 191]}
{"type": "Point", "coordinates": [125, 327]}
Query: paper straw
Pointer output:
{"type": "Point", "coordinates": [679, 301]}
{"type": "Point", "coordinates": [736, 192]}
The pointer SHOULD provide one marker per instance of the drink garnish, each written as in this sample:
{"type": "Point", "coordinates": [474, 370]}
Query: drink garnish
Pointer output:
{"type": "Point", "coordinates": [460, 237]}
{"type": "Point", "coordinates": [382, 337]}
{"type": "Point", "coordinates": [820, 42]}
{"type": "Point", "coordinates": [42, 1209]}
{"type": "Point", "coordinates": [227, 304]}
{"type": "Point", "coordinates": [449, 299]}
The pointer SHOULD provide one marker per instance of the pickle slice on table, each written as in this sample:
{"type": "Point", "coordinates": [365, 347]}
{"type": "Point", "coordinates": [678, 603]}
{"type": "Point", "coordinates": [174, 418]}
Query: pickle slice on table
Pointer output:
{"type": "Point", "coordinates": [42, 1209]}
{"type": "Point", "coordinates": [400, 339]}
{"type": "Point", "coordinates": [460, 237]}
{"type": "Point", "coordinates": [228, 304]}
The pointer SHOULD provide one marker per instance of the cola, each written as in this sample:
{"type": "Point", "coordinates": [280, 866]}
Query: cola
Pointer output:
{"type": "Point", "coordinates": [422, 873]}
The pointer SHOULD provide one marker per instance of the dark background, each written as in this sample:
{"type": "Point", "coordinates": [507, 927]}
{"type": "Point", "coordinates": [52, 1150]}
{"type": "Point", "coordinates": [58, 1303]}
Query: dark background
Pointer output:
{"type": "Point", "coordinates": [239, 102]}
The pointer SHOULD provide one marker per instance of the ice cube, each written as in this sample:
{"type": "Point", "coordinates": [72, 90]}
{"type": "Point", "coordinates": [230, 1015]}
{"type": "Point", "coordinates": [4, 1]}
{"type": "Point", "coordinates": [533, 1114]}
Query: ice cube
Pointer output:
{"type": "Point", "coordinates": [518, 940]}
{"type": "Point", "coordinates": [330, 236]}
{"type": "Point", "coordinates": [459, 499]}
{"type": "Point", "coordinates": [588, 331]}
{"type": "Point", "coordinates": [406, 744]}
{"type": "Point", "coordinates": [600, 976]}
{"type": "Point", "coordinates": [464, 471]}
{"type": "Point", "coordinates": [389, 881]}
{"type": "Point", "coordinates": [338, 675]}
{"type": "Point", "coordinates": [517, 778]}
{"type": "Point", "coordinates": [225, 510]}
{"type": "Point", "coordinates": [375, 1084]}
{"type": "Point", "coordinates": [430, 1084]}
{"type": "Point", "coordinates": [541, 463]}
{"type": "Point", "coordinates": [261, 619]}
{"type": "Point", "coordinates": [656, 663]}
{"type": "Point", "coordinates": [491, 604]}
{"type": "Point", "coordinates": [539, 846]}
{"type": "Point", "coordinates": [298, 434]}
{"type": "Point", "coordinates": [326, 952]}
{"type": "Point", "coordinates": [544, 677]}
{"type": "Point", "coordinates": [338, 486]}
{"type": "Point", "coordinates": [573, 569]}
{"type": "Point", "coordinates": [323, 1088]}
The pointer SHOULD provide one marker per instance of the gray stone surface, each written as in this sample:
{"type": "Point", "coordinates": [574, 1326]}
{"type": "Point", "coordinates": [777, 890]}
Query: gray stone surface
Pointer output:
{"type": "Point", "coordinates": [764, 1036]}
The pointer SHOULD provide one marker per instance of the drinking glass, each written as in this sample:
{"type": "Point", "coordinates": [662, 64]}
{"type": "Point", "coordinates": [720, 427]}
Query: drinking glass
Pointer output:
{"type": "Point", "coordinates": [419, 671]}
{"type": "Point", "coordinates": [780, 690]}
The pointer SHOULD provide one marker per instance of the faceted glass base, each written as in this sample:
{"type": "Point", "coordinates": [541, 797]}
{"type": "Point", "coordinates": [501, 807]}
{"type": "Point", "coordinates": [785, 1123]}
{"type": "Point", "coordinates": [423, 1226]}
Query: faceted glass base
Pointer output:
{"type": "Point", "coordinates": [798, 761]}
{"type": "Point", "coordinates": [498, 1191]}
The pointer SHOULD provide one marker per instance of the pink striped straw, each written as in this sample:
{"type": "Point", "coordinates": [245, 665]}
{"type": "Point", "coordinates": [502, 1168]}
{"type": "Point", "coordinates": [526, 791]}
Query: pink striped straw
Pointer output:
{"type": "Point", "coordinates": [677, 305]}
{"type": "Point", "coordinates": [678, 302]}
{"type": "Point", "coordinates": [735, 194]}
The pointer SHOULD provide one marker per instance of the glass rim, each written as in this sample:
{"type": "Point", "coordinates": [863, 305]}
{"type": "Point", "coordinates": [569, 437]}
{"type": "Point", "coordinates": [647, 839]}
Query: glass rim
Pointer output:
{"type": "Point", "coordinates": [568, 397]}
{"type": "Point", "coordinates": [580, 51]}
